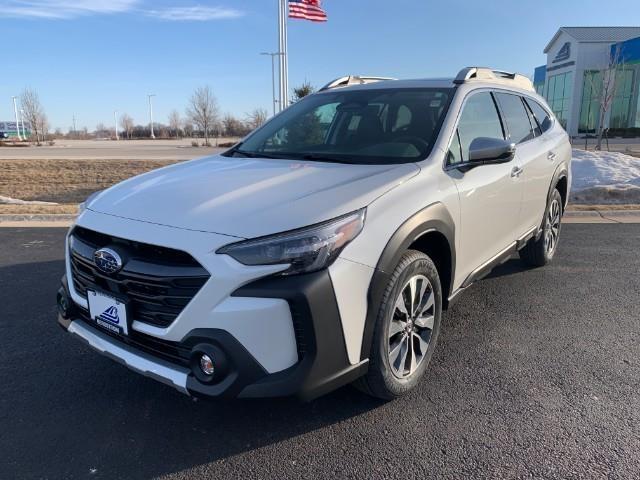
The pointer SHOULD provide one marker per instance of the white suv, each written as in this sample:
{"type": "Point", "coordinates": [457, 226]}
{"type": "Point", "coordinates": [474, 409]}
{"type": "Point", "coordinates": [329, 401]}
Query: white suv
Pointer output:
{"type": "Point", "coordinates": [323, 248]}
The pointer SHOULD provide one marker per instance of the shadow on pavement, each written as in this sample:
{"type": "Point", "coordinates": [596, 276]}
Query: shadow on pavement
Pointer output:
{"type": "Point", "coordinates": [510, 267]}
{"type": "Point", "coordinates": [66, 410]}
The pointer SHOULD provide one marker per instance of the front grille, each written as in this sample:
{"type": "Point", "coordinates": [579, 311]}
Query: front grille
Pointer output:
{"type": "Point", "coordinates": [158, 282]}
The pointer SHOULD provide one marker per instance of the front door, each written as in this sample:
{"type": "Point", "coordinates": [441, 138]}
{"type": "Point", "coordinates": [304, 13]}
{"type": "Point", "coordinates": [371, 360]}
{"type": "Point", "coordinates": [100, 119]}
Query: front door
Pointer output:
{"type": "Point", "coordinates": [490, 195]}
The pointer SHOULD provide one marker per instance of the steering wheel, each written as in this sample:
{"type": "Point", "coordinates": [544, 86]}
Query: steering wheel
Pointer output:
{"type": "Point", "coordinates": [420, 144]}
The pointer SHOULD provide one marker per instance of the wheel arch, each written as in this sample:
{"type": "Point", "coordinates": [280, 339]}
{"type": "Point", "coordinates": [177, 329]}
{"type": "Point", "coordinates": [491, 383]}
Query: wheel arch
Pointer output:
{"type": "Point", "coordinates": [431, 231]}
{"type": "Point", "coordinates": [560, 181]}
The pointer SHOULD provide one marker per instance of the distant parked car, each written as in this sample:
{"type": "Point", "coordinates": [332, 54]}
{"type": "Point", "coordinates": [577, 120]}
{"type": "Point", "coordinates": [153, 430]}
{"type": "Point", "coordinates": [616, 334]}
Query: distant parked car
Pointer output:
{"type": "Point", "coordinates": [4, 135]}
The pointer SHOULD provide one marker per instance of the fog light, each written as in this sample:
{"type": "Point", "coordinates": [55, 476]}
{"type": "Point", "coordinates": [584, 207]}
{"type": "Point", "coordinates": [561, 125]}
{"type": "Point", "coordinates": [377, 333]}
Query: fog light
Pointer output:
{"type": "Point", "coordinates": [206, 365]}
{"type": "Point", "coordinates": [64, 306]}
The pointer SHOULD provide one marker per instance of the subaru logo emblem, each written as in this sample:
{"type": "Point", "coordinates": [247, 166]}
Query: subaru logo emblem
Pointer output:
{"type": "Point", "coordinates": [107, 260]}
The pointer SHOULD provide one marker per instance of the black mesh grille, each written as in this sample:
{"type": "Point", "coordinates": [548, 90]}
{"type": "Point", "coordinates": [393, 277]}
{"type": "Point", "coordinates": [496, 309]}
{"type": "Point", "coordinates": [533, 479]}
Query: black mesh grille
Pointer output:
{"type": "Point", "coordinates": [158, 282]}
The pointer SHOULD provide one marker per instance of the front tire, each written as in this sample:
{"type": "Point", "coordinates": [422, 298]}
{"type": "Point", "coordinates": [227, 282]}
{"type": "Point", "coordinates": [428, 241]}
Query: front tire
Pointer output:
{"type": "Point", "coordinates": [406, 328]}
{"type": "Point", "coordinates": [538, 252]}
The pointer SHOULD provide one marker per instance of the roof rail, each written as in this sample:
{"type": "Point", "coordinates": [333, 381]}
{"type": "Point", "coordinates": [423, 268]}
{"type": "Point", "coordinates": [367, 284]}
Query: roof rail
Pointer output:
{"type": "Point", "coordinates": [353, 80]}
{"type": "Point", "coordinates": [496, 76]}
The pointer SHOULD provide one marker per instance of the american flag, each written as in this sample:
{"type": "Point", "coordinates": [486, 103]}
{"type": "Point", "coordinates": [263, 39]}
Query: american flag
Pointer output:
{"type": "Point", "coordinates": [307, 10]}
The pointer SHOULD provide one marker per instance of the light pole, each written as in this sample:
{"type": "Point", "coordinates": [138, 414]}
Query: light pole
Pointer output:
{"type": "Point", "coordinates": [273, 76]}
{"type": "Point", "coordinates": [115, 123]}
{"type": "Point", "coordinates": [15, 111]}
{"type": "Point", "coordinates": [151, 95]}
{"type": "Point", "coordinates": [75, 130]}
{"type": "Point", "coordinates": [24, 131]}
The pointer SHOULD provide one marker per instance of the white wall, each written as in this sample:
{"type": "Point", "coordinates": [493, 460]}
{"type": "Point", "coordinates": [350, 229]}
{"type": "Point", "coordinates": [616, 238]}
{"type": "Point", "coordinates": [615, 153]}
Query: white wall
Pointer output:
{"type": "Point", "coordinates": [587, 56]}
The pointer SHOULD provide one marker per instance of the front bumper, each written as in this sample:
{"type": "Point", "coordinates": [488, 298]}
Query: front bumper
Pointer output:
{"type": "Point", "coordinates": [323, 363]}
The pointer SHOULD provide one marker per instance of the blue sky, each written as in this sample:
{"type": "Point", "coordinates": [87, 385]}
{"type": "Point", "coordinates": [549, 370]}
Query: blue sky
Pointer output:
{"type": "Point", "coordinates": [89, 57]}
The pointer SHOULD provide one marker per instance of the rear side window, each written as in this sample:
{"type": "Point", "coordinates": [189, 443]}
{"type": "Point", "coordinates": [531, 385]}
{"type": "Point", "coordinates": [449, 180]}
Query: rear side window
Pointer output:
{"type": "Point", "coordinates": [541, 115]}
{"type": "Point", "coordinates": [516, 117]}
{"type": "Point", "coordinates": [479, 118]}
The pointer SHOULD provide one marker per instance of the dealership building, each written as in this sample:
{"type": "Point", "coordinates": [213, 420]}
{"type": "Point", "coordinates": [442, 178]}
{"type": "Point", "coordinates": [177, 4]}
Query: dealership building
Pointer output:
{"type": "Point", "coordinates": [10, 129]}
{"type": "Point", "coordinates": [572, 79]}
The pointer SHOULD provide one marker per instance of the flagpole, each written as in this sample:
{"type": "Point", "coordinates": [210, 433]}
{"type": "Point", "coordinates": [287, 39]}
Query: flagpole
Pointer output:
{"type": "Point", "coordinates": [282, 48]}
{"type": "Point", "coordinates": [285, 56]}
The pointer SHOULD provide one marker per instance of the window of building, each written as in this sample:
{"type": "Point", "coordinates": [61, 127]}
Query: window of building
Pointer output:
{"type": "Point", "coordinates": [516, 117]}
{"type": "Point", "coordinates": [479, 118]}
{"type": "Point", "coordinates": [621, 105]}
{"type": "Point", "coordinates": [590, 103]}
{"type": "Point", "coordinates": [559, 91]}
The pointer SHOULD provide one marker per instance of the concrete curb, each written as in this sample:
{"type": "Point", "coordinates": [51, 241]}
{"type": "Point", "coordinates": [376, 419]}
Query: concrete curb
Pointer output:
{"type": "Point", "coordinates": [20, 217]}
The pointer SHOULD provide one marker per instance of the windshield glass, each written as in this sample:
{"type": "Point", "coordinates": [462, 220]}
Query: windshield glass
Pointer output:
{"type": "Point", "coordinates": [358, 126]}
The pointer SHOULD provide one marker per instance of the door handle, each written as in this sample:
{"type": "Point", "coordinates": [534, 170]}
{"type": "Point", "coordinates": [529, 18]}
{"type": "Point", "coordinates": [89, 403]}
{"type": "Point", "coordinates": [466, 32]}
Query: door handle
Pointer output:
{"type": "Point", "coordinates": [517, 171]}
{"type": "Point", "coordinates": [551, 156]}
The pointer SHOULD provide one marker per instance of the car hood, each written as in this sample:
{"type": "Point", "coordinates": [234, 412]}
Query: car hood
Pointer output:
{"type": "Point", "coordinates": [247, 198]}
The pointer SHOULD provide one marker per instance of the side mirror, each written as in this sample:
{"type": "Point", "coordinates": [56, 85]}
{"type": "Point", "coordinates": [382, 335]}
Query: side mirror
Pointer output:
{"type": "Point", "coordinates": [486, 151]}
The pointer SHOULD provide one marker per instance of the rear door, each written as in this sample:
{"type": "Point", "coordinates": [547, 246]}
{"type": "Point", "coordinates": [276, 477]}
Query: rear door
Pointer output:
{"type": "Point", "coordinates": [554, 148]}
{"type": "Point", "coordinates": [531, 152]}
{"type": "Point", "coordinates": [489, 195]}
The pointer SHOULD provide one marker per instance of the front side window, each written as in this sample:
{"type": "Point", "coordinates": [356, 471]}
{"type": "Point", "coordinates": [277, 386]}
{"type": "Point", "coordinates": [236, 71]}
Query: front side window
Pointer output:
{"type": "Point", "coordinates": [516, 117]}
{"type": "Point", "coordinates": [479, 118]}
{"type": "Point", "coordinates": [367, 126]}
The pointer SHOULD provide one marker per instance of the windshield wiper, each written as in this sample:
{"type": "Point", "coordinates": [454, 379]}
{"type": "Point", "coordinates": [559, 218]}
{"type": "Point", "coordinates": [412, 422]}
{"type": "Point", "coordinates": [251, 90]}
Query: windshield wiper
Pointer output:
{"type": "Point", "coordinates": [251, 154]}
{"type": "Point", "coordinates": [318, 157]}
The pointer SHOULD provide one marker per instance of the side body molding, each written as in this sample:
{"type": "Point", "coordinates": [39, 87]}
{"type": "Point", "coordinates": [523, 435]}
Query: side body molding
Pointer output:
{"type": "Point", "coordinates": [433, 218]}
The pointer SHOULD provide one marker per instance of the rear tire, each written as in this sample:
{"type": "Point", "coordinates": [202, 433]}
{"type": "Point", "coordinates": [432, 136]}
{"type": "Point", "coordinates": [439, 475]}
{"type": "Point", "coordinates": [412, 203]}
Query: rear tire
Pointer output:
{"type": "Point", "coordinates": [538, 252]}
{"type": "Point", "coordinates": [406, 329]}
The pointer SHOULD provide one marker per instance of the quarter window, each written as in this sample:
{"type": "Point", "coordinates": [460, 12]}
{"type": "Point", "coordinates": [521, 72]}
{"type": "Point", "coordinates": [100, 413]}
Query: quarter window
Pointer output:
{"type": "Point", "coordinates": [479, 118]}
{"type": "Point", "coordinates": [540, 114]}
{"type": "Point", "coordinates": [532, 120]}
{"type": "Point", "coordinates": [516, 117]}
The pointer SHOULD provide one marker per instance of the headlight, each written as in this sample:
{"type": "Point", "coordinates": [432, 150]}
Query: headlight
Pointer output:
{"type": "Point", "coordinates": [305, 250]}
{"type": "Point", "coordinates": [83, 206]}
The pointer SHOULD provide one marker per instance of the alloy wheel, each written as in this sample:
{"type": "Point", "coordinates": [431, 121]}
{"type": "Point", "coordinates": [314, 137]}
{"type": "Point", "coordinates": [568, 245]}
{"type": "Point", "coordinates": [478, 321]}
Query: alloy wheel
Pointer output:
{"type": "Point", "coordinates": [552, 227]}
{"type": "Point", "coordinates": [411, 326]}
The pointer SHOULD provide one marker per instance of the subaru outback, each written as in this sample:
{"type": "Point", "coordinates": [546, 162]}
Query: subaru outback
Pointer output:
{"type": "Point", "coordinates": [323, 248]}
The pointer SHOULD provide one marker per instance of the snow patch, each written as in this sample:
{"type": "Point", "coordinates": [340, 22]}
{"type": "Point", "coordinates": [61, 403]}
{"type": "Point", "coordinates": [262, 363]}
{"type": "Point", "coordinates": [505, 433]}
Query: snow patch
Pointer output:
{"type": "Point", "coordinates": [15, 201]}
{"type": "Point", "coordinates": [604, 177]}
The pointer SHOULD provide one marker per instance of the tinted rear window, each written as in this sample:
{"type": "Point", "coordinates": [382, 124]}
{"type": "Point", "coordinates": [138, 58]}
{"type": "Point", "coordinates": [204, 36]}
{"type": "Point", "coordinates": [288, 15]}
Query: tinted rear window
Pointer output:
{"type": "Point", "coordinates": [516, 117]}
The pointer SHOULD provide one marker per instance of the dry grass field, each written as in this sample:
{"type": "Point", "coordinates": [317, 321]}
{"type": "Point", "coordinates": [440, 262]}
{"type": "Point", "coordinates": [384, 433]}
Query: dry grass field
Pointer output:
{"type": "Point", "coordinates": [65, 181]}
{"type": "Point", "coordinates": [68, 182]}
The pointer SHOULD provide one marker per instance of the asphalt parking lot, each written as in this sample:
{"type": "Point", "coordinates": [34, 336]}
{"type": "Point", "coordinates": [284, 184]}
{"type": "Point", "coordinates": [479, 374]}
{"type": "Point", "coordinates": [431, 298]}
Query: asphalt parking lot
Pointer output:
{"type": "Point", "coordinates": [537, 375]}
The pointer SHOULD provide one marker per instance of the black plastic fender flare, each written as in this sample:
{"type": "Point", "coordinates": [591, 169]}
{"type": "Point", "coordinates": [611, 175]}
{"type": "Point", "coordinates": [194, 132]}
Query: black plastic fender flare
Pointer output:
{"type": "Point", "coordinates": [433, 218]}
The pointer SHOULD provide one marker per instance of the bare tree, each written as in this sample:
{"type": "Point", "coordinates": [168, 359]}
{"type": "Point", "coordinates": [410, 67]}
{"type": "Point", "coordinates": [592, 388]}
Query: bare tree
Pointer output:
{"type": "Point", "coordinates": [33, 111]}
{"type": "Point", "coordinates": [175, 122]}
{"type": "Point", "coordinates": [126, 122]}
{"type": "Point", "coordinates": [256, 118]}
{"type": "Point", "coordinates": [187, 128]}
{"type": "Point", "coordinates": [203, 110]}
{"type": "Point", "coordinates": [234, 127]}
{"type": "Point", "coordinates": [43, 126]}
{"type": "Point", "coordinates": [606, 91]}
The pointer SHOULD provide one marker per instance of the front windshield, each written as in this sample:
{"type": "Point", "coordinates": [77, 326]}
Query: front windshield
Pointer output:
{"type": "Point", "coordinates": [365, 126]}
